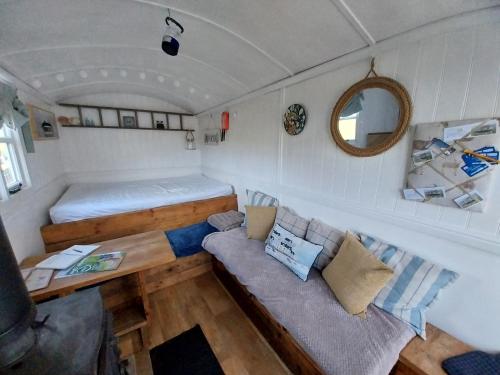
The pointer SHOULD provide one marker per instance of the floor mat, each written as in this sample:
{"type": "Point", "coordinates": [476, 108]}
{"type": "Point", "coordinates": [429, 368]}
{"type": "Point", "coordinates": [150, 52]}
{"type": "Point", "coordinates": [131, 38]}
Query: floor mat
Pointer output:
{"type": "Point", "coordinates": [186, 354]}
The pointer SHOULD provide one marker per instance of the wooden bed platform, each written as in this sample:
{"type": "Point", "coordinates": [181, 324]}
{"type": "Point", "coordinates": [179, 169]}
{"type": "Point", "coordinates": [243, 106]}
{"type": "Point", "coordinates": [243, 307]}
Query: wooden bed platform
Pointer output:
{"type": "Point", "coordinates": [419, 357]}
{"type": "Point", "coordinates": [61, 236]}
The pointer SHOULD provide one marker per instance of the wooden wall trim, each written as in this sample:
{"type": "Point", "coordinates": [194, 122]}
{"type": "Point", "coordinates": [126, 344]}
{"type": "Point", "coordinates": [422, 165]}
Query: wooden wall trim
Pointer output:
{"type": "Point", "coordinates": [60, 236]}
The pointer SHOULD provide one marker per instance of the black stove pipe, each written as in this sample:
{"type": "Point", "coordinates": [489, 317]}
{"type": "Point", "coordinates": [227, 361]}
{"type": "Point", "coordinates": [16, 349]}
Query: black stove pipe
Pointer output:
{"type": "Point", "coordinates": [17, 310]}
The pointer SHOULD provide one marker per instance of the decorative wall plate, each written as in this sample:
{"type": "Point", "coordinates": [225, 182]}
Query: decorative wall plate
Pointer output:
{"type": "Point", "coordinates": [294, 119]}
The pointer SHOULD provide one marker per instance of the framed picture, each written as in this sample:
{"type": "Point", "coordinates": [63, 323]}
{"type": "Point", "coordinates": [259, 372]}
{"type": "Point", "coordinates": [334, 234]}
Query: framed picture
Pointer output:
{"type": "Point", "coordinates": [128, 122]}
{"type": "Point", "coordinates": [42, 123]}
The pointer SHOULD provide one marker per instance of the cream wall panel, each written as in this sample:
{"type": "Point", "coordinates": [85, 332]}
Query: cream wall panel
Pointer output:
{"type": "Point", "coordinates": [449, 76]}
{"type": "Point", "coordinates": [97, 155]}
{"type": "Point", "coordinates": [455, 80]}
{"type": "Point", "coordinates": [25, 212]}
{"type": "Point", "coordinates": [483, 90]}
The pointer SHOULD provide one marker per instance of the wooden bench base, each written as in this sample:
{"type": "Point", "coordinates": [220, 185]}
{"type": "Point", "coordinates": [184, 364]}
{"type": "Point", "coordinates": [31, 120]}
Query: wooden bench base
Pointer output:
{"type": "Point", "coordinates": [419, 357]}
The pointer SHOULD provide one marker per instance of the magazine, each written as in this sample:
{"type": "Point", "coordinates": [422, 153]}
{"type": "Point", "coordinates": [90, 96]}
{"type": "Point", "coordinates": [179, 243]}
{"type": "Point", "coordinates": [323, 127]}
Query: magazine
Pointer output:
{"type": "Point", "coordinates": [94, 263]}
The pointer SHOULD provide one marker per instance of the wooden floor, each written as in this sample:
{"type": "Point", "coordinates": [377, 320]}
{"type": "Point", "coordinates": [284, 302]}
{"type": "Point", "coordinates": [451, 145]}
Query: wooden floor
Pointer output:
{"type": "Point", "coordinates": [202, 300]}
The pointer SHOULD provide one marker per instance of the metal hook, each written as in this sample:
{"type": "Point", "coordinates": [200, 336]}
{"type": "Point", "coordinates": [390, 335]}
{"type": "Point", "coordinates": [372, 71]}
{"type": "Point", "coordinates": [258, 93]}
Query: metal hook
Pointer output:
{"type": "Point", "coordinates": [372, 68]}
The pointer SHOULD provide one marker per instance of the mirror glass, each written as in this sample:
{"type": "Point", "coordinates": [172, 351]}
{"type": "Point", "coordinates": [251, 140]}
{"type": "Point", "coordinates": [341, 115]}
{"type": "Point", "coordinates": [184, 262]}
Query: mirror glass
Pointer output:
{"type": "Point", "coordinates": [369, 118]}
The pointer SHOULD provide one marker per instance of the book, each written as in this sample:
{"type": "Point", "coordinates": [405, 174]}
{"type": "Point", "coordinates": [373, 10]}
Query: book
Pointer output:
{"type": "Point", "coordinates": [36, 278]}
{"type": "Point", "coordinates": [68, 257]}
{"type": "Point", "coordinates": [94, 263]}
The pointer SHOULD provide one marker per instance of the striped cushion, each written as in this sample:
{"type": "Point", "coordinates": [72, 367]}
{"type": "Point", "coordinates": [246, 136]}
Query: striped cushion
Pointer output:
{"type": "Point", "coordinates": [258, 198]}
{"type": "Point", "coordinates": [414, 287]}
{"type": "Point", "coordinates": [330, 238]}
{"type": "Point", "coordinates": [290, 221]}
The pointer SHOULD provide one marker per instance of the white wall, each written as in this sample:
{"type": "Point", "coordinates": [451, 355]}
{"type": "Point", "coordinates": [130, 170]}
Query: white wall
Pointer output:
{"type": "Point", "coordinates": [97, 155]}
{"type": "Point", "coordinates": [452, 76]}
{"type": "Point", "coordinates": [92, 155]}
{"type": "Point", "coordinates": [26, 211]}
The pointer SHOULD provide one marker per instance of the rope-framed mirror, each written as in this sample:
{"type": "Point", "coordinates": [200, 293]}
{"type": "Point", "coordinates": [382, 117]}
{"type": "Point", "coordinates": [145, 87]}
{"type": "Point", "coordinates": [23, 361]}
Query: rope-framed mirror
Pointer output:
{"type": "Point", "coordinates": [371, 116]}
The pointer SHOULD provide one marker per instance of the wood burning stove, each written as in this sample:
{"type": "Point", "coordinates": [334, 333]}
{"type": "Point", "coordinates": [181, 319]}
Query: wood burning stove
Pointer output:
{"type": "Point", "coordinates": [65, 336]}
{"type": "Point", "coordinates": [17, 310]}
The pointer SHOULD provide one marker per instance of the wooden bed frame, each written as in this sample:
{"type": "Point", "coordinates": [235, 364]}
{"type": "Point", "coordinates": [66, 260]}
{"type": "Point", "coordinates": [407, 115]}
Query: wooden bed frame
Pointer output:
{"type": "Point", "coordinates": [419, 357]}
{"type": "Point", "coordinates": [60, 236]}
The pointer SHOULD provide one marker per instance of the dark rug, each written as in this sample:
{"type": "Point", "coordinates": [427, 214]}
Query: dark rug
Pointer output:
{"type": "Point", "coordinates": [187, 241]}
{"type": "Point", "coordinates": [186, 354]}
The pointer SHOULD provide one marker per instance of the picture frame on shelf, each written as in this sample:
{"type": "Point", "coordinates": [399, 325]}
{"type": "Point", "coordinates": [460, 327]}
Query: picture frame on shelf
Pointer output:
{"type": "Point", "coordinates": [129, 122]}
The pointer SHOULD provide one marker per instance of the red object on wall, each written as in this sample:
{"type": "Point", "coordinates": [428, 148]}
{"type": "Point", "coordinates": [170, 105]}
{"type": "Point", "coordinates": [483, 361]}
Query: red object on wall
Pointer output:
{"type": "Point", "coordinates": [224, 125]}
{"type": "Point", "coordinates": [224, 121]}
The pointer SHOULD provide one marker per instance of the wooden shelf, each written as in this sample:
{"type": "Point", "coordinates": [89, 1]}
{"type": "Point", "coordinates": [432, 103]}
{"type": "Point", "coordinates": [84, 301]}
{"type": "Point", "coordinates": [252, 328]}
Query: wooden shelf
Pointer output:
{"type": "Point", "coordinates": [128, 319]}
{"type": "Point", "coordinates": [120, 110]}
{"type": "Point", "coordinates": [116, 127]}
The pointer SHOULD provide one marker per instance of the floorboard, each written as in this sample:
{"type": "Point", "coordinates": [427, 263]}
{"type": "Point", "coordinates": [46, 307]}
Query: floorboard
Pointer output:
{"type": "Point", "coordinates": [202, 300]}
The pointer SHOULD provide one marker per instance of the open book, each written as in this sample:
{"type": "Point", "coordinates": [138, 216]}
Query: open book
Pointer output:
{"type": "Point", "coordinates": [68, 257]}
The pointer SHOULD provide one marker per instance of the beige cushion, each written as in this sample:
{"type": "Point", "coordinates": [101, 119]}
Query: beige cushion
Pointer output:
{"type": "Point", "coordinates": [260, 221]}
{"type": "Point", "coordinates": [356, 276]}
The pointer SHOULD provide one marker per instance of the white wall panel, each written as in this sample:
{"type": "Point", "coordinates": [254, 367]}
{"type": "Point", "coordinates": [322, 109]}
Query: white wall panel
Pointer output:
{"type": "Point", "coordinates": [483, 88]}
{"type": "Point", "coordinates": [26, 211]}
{"type": "Point", "coordinates": [449, 76]}
{"type": "Point", "coordinates": [91, 155]}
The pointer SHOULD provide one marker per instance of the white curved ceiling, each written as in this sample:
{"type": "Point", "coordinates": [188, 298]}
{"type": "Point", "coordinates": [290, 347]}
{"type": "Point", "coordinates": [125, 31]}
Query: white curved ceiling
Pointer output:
{"type": "Point", "coordinates": [64, 48]}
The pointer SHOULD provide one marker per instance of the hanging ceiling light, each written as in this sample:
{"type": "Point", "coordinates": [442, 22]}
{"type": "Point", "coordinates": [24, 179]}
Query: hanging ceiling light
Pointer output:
{"type": "Point", "coordinates": [170, 41]}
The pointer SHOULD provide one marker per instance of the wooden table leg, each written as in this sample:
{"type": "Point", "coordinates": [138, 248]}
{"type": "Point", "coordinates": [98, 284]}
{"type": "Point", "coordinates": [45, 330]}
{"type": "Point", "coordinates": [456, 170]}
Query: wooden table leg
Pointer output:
{"type": "Point", "coordinates": [146, 342]}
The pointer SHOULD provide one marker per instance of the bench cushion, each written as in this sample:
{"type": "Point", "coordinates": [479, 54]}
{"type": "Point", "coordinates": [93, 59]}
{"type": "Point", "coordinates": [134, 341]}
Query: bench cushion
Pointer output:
{"type": "Point", "coordinates": [338, 342]}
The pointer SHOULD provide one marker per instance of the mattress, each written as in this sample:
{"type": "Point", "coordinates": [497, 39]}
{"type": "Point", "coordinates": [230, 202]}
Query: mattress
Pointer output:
{"type": "Point", "coordinates": [84, 201]}
{"type": "Point", "coordinates": [339, 343]}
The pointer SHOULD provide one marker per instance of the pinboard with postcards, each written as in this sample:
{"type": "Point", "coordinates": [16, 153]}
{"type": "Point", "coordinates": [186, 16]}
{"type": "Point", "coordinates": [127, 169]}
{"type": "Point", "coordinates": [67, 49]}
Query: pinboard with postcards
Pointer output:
{"type": "Point", "coordinates": [452, 163]}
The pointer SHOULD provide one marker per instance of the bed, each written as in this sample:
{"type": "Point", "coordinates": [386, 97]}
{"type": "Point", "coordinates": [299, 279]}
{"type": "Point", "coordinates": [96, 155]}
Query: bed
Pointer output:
{"type": "Point", "coordinates": [85, 201]}
{"type": "Point", "coordinates": [88, 213]}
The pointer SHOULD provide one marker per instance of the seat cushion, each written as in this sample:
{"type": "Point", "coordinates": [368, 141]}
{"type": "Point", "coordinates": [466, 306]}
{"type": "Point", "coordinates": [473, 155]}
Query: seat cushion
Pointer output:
{"type": "Point", "coordinates": [338, 342]}
{"type": "Point", "coordinates": [294, 252]}
{"type": "Point", "coordinates": [356, 276]}
{"type": "Point", "coordinates": [415, 286]}
{"type": "Point", "coordinates": [329, 237]}
{"type": "Point", "coordinates": [260, 221]}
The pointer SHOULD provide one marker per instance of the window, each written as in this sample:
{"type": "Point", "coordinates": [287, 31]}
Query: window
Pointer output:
{"type": "Point", "coordinates": [347, 127]}
{"type": "Point", "coordinates": [12, 166]}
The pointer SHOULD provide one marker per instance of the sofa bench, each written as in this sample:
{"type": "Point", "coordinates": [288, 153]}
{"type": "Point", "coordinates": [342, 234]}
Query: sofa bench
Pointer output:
{"type": "Point", "coordinates": [308, 328]}
{"type": "Point", "coordinates": [336, 341]}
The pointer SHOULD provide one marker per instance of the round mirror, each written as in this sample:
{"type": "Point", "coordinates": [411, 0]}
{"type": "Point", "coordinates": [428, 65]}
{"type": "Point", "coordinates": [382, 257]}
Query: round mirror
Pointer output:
{"type": "Point", "coordinates": [371, 116]}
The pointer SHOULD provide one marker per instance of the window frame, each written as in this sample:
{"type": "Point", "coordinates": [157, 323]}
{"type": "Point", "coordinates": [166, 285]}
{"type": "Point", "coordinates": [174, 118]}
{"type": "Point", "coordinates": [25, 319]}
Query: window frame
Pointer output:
{"type": "Point", "coordinates": [12, 139]}
{"type": "Point", "coordinates": [354, 116]}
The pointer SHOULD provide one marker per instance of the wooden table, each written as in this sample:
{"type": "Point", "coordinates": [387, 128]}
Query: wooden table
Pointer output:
{"type": "Point", "coordinates": [143, 252]}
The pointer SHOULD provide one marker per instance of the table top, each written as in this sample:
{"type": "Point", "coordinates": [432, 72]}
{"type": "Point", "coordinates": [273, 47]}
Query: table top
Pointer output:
{"type": "Point", "coordinates": [143, 251]}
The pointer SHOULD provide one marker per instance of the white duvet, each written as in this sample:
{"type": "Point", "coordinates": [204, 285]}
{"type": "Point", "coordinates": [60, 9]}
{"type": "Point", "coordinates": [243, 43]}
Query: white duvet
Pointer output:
{"type": "Point", "coordinates": [83, 201]}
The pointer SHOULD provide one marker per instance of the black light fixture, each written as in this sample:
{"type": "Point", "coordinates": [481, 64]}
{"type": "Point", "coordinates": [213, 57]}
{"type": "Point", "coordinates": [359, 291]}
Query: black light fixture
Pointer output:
{"type": "Point", "coordinates": [170, 41]}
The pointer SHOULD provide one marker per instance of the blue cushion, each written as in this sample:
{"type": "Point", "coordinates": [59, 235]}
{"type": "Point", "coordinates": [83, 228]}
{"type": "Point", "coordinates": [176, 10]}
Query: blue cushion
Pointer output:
{"type": "Point", "coordinates": [473, 363]}
{"type": "Point", "coordinates": [294, 252]}
{"type": "Point", "coordinates": [187, 241]}
{"type": "Point", "coordinates": [414, 287]}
